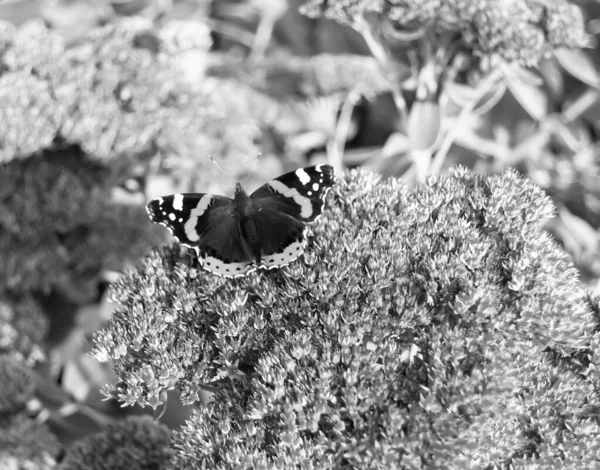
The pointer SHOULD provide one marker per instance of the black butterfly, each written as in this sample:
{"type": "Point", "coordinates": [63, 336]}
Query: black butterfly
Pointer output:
{"type": "Point", "coordinates": [233, 237]}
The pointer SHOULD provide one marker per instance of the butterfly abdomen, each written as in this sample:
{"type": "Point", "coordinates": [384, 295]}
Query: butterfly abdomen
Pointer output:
{"type": "Point", "coordinates": [250, 232]}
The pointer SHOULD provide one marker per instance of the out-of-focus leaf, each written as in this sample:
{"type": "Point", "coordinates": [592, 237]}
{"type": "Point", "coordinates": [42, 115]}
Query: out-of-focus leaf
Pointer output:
{"type": "Point", "coordinates": [530, 97]}
{"type": "Point", "coordinates": [395, 145]}
{"type": "Point", "coordinates": [358, 156]}
{"type": "Point", "coordinates": [576, 234]}
{"type": "Point", "coordinates": [554, 79]}
{"type": "Point", "coordinates": [74, 421]}
{"type": "Point", "coordinates": [587, 104]}
{"type": "Point", "coordinates": [461, 95]}
{"type": "Point", "coordinates": [423, 124]}
{"type": "Point", "coordinates": [80, 377]}
{"type": "Point", "coordinates": [526, 76]}
{"type": "Point", "coordinates": [578, 64]}
{"type": "Point", "coordinates": [394, 158]}
{"type": "Point", "coordinates": [51, 396]}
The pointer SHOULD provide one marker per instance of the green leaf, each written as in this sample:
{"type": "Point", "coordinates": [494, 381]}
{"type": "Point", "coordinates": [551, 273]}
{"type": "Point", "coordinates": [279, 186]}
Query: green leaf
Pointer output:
{"type": "Point", "coordinates": [530, 97]}
{"type": "Point", "coordinates": [578, 64]}
{"type": "Point", "coordinates": [424, 124]}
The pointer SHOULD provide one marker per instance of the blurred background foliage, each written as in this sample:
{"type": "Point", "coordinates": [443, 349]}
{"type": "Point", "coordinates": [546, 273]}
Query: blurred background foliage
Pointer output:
{"type": "Point", "coordinates": [106, 104]}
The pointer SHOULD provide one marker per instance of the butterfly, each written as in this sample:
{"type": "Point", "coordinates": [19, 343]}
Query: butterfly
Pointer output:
{"type": "Point", "coordinates": [233, 237]}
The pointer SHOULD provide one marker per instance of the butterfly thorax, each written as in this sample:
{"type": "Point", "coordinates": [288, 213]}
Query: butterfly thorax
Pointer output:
{"type": "Point", "coordinates": [244, 209]}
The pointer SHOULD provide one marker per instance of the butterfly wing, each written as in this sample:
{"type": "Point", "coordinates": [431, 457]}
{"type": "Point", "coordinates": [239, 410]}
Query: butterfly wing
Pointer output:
{"type": "Point", "coordinates": [205, 222]}
{"type": "Point", "coordinates": [299, 194]}
{"type": "Point", "coordinates": [281, 238]}
{"type": "Point", "coordinates": [283, 208]}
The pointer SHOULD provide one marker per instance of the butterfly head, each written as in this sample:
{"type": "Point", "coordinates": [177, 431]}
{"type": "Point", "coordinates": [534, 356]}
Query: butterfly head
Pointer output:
{"type": "Point", "coordinates": [239, 190]}
{"type": "Point", "coordinates": [241, 201]}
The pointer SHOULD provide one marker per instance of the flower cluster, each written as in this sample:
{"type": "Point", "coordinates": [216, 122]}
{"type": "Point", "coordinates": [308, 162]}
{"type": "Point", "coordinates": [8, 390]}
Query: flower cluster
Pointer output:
{"type": "Point", "coordinates": [423, 325]}
{"type": "Point", "coordinates": [60, 223]}
{"type": "Point", "coordinates": [137, 442]}
{"type": "Point", "coordinates": [22, 329]}
{"type": "Point", "coordinates": [17, 386]}
{"type": "Point", "coordinates": [24, 442]}
{"type": "Point", "coordinates": [514, 30]}
{"type": "Point", "coordinates": [124, 89]}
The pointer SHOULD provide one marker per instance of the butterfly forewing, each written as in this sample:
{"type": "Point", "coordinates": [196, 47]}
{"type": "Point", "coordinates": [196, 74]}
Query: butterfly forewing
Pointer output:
{"type": "Point", "coordinates": [300, 193]}
{"type": "Point", "coordinates": [187, 215]}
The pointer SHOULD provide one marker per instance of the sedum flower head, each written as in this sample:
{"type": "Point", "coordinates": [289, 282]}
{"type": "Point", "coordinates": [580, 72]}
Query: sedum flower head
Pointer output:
{"type": "Point", "coordinates": [24, 442]}
{"type": "Point", "coordinates": [27, 443]}
{"type": "Point", "coordinates": [513, 30]}
{"type": "Point", "coordinates": [17, 385]}
{"type": "Point", "coordinates": [423, 326]}
{"type": "Point", "coordinates": [22, 328]}
{"type": "Point", "coordinates": [137, 442]}
{"type": "Point", "coordinates": [125, 88]}
{"type": "Point", "coordinates": [57, 217]}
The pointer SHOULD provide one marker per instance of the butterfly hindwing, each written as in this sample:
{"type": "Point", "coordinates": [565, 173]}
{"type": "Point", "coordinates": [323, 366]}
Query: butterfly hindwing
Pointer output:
{"type": "Point", "coordinates": [281, 238]}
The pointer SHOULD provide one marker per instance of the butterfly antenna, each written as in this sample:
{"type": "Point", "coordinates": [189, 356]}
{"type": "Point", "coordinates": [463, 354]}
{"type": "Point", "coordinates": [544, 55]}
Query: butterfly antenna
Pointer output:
{"type": "Point", "coordinates": [219, 166]}
{"type": "Point", "coordinates": [252, 169]}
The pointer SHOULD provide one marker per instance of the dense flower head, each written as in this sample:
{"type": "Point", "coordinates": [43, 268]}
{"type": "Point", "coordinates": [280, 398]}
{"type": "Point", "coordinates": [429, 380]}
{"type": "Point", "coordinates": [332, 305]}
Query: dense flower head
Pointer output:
{"type": "Point", "coordinates": [24, 441]}
{"type": "Point", "coordinates": [514, 30]}
{"type": "Point", "coordinates": [126, 87]}
{"type": "Point", "coordinates": [22, 328]}
{"type": "Point", "coordinates": [421, 326]}
{"type": "Point", "coordinates": [17, 385]}
{"type": "Point", "coordinates": [60, 223]}
{"type": "Point", "coordinates": [27, 443]}
{"type": "Point", "coordinates": [137, 442]}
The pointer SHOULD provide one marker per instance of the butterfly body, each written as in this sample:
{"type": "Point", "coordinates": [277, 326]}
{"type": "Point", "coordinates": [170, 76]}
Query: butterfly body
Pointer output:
{"type": "Point", "coordinates": [232, 237]}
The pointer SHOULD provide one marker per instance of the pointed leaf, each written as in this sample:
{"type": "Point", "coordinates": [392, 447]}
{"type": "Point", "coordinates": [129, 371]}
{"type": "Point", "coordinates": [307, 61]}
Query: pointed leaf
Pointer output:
{"type": "Point", "coordinates": [532, 98]}
{"type": "Point", "coordinates": [578, 64]}
{"type": "Point", "coordinates": [424, 124]}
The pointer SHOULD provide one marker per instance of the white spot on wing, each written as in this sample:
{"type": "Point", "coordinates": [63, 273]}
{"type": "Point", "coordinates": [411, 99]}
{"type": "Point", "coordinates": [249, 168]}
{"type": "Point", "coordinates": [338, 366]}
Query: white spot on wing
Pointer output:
{"type": "Point", "coordinates": [190, 225]}
{"type": "Point", "coordinates": [302, 176]}
{"type": "Point", "coordinates": [315, 186]}
{"type": "Point", "coordinates": [306, 209]}
{"type": "Point", "coordinates": [172, 216]}
{"type": "Point", "coordinates": [178, 202]}
{"type": "Point", "coordinates": [221, 268]}
{"type": "Point", "coordinates": [318, 169]}
{"type": "Point", "coordinates": [277, 260]}
{"type": "Point", "coordinates": [160, 201]}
